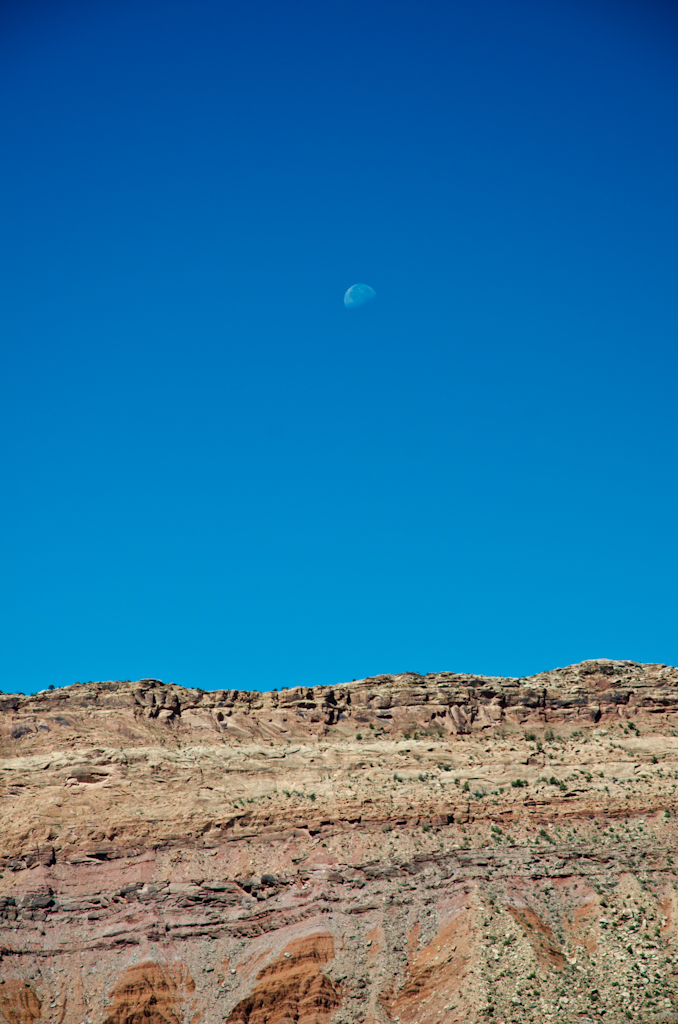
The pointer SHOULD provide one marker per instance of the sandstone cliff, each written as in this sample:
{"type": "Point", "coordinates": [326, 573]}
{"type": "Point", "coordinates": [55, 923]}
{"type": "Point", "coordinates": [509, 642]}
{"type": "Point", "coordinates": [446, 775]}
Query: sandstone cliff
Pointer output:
{"type": "Point", "coordinates": [407, 849]}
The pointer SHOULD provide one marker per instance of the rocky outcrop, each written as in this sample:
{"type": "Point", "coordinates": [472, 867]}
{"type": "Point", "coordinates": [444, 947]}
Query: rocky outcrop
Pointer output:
{"type": "Point", "coordinates": [415, 849]}
{"type": "Point", "coordinates": [444, 701]}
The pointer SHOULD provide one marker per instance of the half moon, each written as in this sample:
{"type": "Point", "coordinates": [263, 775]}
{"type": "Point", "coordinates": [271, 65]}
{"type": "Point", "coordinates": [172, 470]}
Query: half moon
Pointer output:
{"type": "Point", "coordinates": [358, 295]}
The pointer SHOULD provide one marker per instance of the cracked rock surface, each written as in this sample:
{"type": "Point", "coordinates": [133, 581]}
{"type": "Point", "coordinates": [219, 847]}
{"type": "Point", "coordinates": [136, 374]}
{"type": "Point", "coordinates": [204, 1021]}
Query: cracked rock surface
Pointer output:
{"type": "Point", "coordinates": [412, 849]}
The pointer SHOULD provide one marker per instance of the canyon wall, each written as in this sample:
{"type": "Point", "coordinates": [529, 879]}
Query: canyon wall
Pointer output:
{"type": "Point", "coordinates": [409, 849]}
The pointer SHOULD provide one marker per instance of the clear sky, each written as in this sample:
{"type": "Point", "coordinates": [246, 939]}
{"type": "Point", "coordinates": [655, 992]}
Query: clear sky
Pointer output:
{"type": "Point", "coordinates": [214, 473]}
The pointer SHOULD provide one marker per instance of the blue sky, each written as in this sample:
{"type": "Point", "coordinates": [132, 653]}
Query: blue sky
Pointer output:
{"type": "Point", "coordinates": [214, 473]}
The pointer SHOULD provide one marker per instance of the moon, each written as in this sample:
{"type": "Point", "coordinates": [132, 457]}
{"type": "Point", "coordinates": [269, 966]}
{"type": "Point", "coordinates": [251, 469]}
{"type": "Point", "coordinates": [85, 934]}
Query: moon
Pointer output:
{"type": "Point", "coordinates": [358, 295]}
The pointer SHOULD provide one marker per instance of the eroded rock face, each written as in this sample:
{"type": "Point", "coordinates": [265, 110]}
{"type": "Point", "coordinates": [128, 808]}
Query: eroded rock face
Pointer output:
{"type": "Point", "coordinates": [18, 1002]}
{"type": "Point", "coordinates": [150, 993]}
{"type": "Point", "coordinates": [413, 849]}
{"type": "Point", "coordinates": [293, 986]}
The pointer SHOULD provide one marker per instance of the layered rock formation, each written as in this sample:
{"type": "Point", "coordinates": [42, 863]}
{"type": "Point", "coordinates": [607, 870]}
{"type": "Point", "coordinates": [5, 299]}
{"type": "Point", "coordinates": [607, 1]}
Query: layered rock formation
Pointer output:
{"type": "Point", "coordinates": [409, 849]}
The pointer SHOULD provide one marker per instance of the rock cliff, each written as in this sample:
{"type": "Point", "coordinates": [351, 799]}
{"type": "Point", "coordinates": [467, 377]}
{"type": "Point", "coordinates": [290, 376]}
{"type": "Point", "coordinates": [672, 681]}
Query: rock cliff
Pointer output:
{"type": "Point", "coordinates": [412, 849]}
